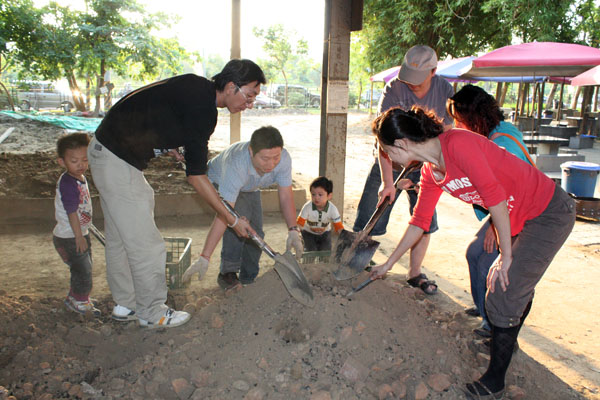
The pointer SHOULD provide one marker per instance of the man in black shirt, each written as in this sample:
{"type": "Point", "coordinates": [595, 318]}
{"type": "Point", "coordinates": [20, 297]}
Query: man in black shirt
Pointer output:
{"type": "Point", "coordinates": [176, 112]}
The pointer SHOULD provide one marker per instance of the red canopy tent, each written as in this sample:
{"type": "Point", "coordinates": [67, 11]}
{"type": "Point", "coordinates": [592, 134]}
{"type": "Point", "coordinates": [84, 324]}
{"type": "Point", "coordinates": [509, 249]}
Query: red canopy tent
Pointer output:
{"type": "Point", "coordinates": [535, 59]}
{"type": "Point", "coordinates": [591, 77]}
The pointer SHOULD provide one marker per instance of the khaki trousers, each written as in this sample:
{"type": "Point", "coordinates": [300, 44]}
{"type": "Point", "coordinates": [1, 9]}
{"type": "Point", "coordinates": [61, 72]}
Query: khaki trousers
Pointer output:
{"type": "Point", "coordinates": [135, 249]}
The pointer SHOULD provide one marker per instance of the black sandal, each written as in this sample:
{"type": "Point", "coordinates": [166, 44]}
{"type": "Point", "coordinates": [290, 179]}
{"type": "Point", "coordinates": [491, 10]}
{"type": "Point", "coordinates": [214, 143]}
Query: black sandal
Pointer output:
{"type": "Point", "coordinates": [474, 393]}
{"type": "Point", "coordinates": [423, 283]}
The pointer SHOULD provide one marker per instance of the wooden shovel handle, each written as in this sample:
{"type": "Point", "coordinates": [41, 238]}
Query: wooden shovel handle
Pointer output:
{"type": "Point", "coordinates": [383, 206]}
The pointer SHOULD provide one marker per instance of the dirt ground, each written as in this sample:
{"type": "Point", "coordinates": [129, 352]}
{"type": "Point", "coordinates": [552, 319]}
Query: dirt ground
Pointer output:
{"type": "Point", "coordinates": [388, 341]}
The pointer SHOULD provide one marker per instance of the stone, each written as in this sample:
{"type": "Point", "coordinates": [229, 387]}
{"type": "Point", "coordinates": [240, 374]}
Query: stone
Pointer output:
{"type": "Point", "coordinates": [263, 364]}
{"type": "Point", "coordinates": [241, 385]}
{"type": "Point", "coordinates": [399, 389]}
{"type": "Point", "coordinates": [439, 382]}
{"type": "Point", "coordinates": [216, 322]}
{"type": "Point", "coordinates": [296, 370]}
{"type": "Point", "coordinates": [345, 334]}
{"type": "Point", "coordinates": [75, 391]}
{"type": "Point", "coordinates": [182, 388]}
{"type": "Point", "coordinates": [255, 394]}
{"type": "Point", "coordinates": [106, 330]}
{"type": "Point", "coordinates": [353, 370]}
{"type": "Point", "coordinates": [360, 327]}
{"type": "Point", "coordinates": [200, 378]}
{"type": "Point", "coordinates": [384, 392]}
{"type": "Point", "coordinates": [189, 308]}
{"type": "Point", "coordinates": [515, 392]}
{"type": "Point", "coordinates": [321, 395]}
{"type": "Point", "coordinates": [483, 358]}
{"type": "Point", "coordinates": [421, 391]}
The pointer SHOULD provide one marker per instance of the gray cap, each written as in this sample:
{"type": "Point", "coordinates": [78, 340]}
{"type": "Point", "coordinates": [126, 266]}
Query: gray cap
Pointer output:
{"type": "Point", "coordinates": [417, 65]}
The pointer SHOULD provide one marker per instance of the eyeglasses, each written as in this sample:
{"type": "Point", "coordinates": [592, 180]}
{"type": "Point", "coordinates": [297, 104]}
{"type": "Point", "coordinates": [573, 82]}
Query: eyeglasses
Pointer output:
{"type": "Point", "coordinates": [248, 101]}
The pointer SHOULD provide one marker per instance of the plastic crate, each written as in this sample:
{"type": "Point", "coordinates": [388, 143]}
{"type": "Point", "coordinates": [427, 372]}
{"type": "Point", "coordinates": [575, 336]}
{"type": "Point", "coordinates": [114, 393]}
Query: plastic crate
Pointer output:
{"type": "Point", "coordinates": [316, 257]}
{"type": "Point", "coordinates": [179, 258]}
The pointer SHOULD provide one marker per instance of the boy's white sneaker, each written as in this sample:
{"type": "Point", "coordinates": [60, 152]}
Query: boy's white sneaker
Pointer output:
{"type": "Point", "coordinates": [81, 307]}
{"type": "Point", "coordinates": [123, 314]}
{"type": "Point", "coordinates": [171, 319]}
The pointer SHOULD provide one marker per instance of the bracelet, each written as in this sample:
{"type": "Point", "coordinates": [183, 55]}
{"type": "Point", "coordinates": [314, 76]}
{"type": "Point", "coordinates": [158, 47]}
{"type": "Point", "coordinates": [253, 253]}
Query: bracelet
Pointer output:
{"type": "Point", "coordinates": [294, 228]}
{"type": "Point", "coordinates": [234, 222]}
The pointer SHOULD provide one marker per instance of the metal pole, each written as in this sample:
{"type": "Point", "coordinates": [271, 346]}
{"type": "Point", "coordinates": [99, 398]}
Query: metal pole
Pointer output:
{"type": "Point", "coordinates": [235, 120]}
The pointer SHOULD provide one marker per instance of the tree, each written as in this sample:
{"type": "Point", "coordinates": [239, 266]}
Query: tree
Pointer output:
{"type": "Point", "coordinates": [360, 67]}
{"type": "Point", "coordinates": [115, 35]}
{"type": "Point", "coordinates": [278, 46]}
{"type": "Point", "coordinates": [461, 27]}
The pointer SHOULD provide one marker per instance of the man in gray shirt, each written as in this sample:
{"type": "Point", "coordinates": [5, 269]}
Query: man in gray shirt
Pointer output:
{"type": "Point", "coordinates": [239, 172]}
{"type": "Point", "coordinates": [415, 85]}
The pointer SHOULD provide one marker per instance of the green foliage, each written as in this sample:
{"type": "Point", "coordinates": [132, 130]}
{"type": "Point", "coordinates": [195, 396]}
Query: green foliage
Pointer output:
{"type": "Point", "coordinates": [287, 59]}
{"type": "Point", "coordinates": [55, 41]}
{"type": "Point", "coordinates": [465, 27]}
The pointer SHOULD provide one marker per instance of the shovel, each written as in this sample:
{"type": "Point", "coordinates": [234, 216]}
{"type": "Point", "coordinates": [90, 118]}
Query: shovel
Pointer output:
{"type": "Point", "coordinates": [354, 250]}
{"type": "Point", "coordinates": [286, 267]}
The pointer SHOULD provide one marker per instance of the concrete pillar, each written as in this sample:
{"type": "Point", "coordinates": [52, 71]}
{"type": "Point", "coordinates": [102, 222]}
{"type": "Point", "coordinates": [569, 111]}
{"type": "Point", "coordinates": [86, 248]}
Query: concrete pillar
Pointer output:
{"type": "Point", "coordinates": [235, 120]}
{"type": "Point", "coordinates": [334, 118]}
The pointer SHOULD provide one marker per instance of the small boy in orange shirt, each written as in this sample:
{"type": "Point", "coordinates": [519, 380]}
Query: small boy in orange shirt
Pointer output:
{"type": "Point", "coordinates": [318, 215]}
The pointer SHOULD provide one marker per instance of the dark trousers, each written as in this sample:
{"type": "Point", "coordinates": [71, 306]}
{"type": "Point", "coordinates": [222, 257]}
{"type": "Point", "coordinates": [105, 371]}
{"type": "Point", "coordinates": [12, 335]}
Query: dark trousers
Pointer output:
{"type": "Point", "coordinates": [314, 242]}
{"type": "Point", "coordinates": [80, 264]}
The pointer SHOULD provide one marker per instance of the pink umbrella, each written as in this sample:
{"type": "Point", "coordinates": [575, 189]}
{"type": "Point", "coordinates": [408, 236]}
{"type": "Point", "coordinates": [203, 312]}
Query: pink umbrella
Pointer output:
{"type": "Point", "coordinates": [535, 59]}
{"type": "Point", "coordinates": [591, 77]}
{"type": "Point", "coordinates": [385, 76]}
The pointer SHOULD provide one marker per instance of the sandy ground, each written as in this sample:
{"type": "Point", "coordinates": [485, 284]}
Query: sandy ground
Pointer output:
{"type": "Point", "coordinates": [246, 346]}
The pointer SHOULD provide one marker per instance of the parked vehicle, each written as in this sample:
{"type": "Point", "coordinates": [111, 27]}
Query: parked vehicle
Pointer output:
{"type": "Point", "coordinates": [264, 101]}
{"type": "Point", "coordinates": [298, 95]}
{"type": "Point", "coordinates": [37, 95]}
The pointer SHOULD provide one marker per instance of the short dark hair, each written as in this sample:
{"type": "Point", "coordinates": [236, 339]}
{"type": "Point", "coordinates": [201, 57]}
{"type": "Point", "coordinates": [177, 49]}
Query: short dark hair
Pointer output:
{"type": "Point", "coordinates": [239, 71]}
{"type": "Point", "coordinates": [475, 108]}
{"type": "Point", "coordinates": [417, 125]}
{"type": "Point", "coordinates": [322, 182]}
{"type": "Point", "coordinates": [70, 142]}
{"type": "Point", "coordinates": [266, 137]}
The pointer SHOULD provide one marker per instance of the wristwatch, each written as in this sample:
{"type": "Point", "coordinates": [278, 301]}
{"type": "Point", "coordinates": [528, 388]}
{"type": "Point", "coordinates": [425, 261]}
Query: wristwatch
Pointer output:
{"type": "Point", "coordinates": [294, 228]}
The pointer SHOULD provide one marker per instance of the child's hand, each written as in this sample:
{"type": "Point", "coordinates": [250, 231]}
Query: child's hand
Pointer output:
{"type": "Point", "coordinates": [81, 244]}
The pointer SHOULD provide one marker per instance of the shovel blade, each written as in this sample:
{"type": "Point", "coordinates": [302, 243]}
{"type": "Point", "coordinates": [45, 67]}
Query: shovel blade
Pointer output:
{"type": "Point", "coordinates": [352, 261]}
{"type": "Point", "coordinates": [293, 278]}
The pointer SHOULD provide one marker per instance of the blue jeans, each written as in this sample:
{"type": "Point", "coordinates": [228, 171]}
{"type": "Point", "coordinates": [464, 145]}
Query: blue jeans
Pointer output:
{"type": "Point", "coordinates": [480, 262]}
{"type": "Point", "coordinates": [239, 254]}
{"type": "Point", "coordinates": [80, 264]}
{"type": "Point", "coordinates": [370, 197]}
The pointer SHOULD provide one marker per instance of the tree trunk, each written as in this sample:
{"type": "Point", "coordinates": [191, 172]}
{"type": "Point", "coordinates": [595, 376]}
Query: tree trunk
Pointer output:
{"type": "Point", "coordinates": [78, 100]}
{"type": "Point", "coordinates": [575, 98]}
{"type": "Point", "coordinates": [100, 83]}
{"type": "Point", "coordinates": [503, 95]}
{"type": "Point", "coordinates": [551, 96]}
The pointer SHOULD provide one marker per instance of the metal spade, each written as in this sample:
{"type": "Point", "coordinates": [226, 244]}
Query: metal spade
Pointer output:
{"type": "Point", "coordinates": [354, 250]}
{"type": "Point", "coordinates": [286, 266]}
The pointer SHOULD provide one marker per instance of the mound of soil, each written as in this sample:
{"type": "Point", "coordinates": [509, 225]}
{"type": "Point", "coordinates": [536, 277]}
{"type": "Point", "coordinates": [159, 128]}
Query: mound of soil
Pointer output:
{"type": "Point", "coordinates": [34, 175]}
{"type": "Point", "coordinates": [386, 341]}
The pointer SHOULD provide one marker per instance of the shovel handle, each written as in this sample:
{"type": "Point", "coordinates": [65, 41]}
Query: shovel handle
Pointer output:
{"type": "Point", "coordinates": [257, 239]}
{"type": "Point", "coordinates": [383, 206]}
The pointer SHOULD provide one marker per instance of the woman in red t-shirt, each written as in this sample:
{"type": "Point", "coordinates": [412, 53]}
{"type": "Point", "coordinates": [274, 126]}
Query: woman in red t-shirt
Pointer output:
{"type": "Point", "coordinates": [532, 217]}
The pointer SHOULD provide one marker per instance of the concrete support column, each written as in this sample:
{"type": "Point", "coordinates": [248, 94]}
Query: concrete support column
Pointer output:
{"type": "Point", "coordinates": [334, 117]}
{"type": "Point", "coordinates": [235, 120]}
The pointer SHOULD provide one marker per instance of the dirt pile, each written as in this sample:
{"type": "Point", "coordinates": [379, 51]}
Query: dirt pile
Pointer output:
{"type": "Point", "coordinates": [385, 342]}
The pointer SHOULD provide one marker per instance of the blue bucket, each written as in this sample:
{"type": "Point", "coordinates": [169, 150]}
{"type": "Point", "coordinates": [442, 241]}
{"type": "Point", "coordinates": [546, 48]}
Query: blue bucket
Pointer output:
{"type": "Point", "coordinates": [579, 178]}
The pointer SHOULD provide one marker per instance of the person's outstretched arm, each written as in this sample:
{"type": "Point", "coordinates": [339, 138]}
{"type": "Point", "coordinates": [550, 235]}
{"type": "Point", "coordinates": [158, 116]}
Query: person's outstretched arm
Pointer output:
{"type": "Point", "coordinates": [411, 236]}
{"type": "Point", "coordinates": [205, 188]}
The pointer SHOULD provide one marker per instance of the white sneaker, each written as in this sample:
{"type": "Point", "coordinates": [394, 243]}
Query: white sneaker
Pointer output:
{"type": "Point", "coordinates": [171, 319]}
{"type": "Point", "coordinates": [81, 307]}
{"type": "Point", "coordinates": [123, 314]}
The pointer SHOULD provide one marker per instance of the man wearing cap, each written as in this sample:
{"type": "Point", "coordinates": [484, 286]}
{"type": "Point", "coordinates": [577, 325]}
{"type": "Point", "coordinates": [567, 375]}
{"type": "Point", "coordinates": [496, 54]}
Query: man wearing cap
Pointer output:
{"type": "Point", "coordinates": [416, 85]}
